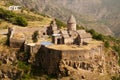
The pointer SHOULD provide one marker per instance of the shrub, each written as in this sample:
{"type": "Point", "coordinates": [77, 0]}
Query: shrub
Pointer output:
{"type": "Point", "coordinates": [117, 49]}
{"type": "Point", "coordinates": [26, 68]}
{"type": "Point", "coordinates": [96, 35]}
{"type": "Point", "coordinates": [12, 17]}
{"type": "Point", "coordinates": [100, 37]}
{"type": "Point", "coordinates": [35, 36]}
{"type": "Point", "coordinates": [21, 21]}
{"type": "Point", "coordinates": [106, 44]}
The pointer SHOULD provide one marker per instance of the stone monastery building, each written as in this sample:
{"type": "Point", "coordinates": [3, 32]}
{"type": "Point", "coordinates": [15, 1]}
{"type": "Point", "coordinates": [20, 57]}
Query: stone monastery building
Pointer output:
{"type": "Point", "coordinates": [58, 50]}
{"type": "Point", "coordinates": [71, 36]}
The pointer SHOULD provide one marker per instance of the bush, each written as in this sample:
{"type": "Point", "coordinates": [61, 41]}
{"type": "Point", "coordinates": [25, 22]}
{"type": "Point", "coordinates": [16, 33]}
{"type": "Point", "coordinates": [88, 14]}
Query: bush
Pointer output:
{"type": "Point", "coordinates": [26, 68]}
{"type": "Point", "coordinates": [5, 14]}
{"type": "Point", "coordinates": [96, 35]}
{"type": "Point", "coordinates": [35, 36]}
{"type": "Point", "coordinates": [106, 44]}
{"type": "Point", "coordinates": [12, 17]}
{"type": "Point", "coordinates": [100, 37]}
{"type": "Point", "coordinates": [117, 49]}
{"type": "Point", "coordinates": [21, 21]}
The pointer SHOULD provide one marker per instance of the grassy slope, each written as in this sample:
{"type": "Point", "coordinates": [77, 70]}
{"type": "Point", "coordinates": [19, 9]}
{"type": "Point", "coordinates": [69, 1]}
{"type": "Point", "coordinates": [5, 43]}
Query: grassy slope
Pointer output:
{"type": "Point", "coordinates": [33, 19]}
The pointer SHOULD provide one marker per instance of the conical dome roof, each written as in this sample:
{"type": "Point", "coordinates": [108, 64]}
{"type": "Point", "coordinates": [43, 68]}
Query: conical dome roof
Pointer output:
{"type": "Point", "coordinates": [71, 19]}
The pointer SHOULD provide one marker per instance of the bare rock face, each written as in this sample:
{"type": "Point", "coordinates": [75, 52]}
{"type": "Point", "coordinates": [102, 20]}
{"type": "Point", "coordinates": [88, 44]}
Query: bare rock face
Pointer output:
{"type": "Point", "coordinates": [8, 61]}
{"type": "Point", "coordinates": [88, 69]}
{"type": "Point", "coordinates": [8, 58]}
{"type": "Point", "coordinates": [9, 72]}
{"type": "Point", "coordinates": [93, 63]}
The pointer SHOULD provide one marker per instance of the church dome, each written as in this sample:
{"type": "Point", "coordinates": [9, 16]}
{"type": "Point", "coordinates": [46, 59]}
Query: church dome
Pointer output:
{"type": "Point", "coordinates": [71, 19]}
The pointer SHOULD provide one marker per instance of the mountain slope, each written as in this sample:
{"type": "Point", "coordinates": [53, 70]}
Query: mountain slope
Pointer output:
{"type": "Point", "coordinates": [96, 14]}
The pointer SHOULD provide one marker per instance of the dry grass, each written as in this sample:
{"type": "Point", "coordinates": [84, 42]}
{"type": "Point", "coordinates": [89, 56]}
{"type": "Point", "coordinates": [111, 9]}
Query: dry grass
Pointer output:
{"type": "Point", "coordinates": [5, 25]}
{"type": "Point", "coordinates": [45, 21]}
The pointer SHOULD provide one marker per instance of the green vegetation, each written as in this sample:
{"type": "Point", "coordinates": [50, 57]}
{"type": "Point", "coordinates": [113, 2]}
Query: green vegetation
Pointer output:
{"type": "Point", "coordinates": [96, 35]}
{"type": "Point", "coordinates": [117, 49]}
{"type": "Point", "coordinates": [26, 68]}
{"type": "Point", "coordinates": [35, 36]}
{"type": "Point", "coordinates": [12, 17]}
{"type": "Point", "coordinates": [30, 17]}
{"type": "Point", "coordinates": [21, 21]}
{"type": "Point", "coordinates": [109, 42]}
{"type": "Point", "coordinates": [116, 78]}
{"type": "Point", "coordinates": [80, 27]}
{"type": "Point", "coordinates": [106, 44]}
{"type": "Point", "coordinates": [60, 23]}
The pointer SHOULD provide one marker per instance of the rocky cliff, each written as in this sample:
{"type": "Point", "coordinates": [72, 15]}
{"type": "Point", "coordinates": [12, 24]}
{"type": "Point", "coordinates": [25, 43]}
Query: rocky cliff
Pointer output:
{"type": "Point", "coordinates": [93, 63]}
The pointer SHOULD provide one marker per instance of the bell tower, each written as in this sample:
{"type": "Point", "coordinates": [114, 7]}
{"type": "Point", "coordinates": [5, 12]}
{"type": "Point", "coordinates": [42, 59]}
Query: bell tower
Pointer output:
{"type": "Point", "coordinates": [71, 23]}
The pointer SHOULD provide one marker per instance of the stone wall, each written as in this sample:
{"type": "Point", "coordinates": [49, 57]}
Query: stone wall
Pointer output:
{"type": "Point", "coordinates": [16, 43]}
{"type": "Point", "coordinates": [91, 60]}
{"type": "Point", "coordinates": [55, 61]}
{"type": "Point", "coordinates": [32, 50]}
{"type": "Point", "coordinates": [48, 59]}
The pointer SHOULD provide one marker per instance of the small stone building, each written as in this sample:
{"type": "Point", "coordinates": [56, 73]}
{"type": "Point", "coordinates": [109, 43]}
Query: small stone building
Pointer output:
{"type": "Point", "coordinates": [66, 39]}
{"type": "Point", "coordinates": [52, 28]}
{"type": "Point", "coordinates": [84, 38]}
{"type": "Point", "coordinates": [17, 40]}
{"type": "Point", "coordinates": [62, 37]}
{"type": "Point", "coordinates": [19, 35]}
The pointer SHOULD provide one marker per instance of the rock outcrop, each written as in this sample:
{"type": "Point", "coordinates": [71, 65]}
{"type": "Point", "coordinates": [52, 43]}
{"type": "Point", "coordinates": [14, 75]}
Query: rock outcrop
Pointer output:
{"type": "Point", "coordinates": [8, 67]}
{"type": "Point", "coordinates": [77, 64]}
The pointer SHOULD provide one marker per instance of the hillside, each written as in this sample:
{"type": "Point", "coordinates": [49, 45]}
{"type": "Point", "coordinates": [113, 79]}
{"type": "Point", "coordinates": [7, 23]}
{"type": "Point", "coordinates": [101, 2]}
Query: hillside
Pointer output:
{"type": "Point", "coordinates": [101, 15]}
{"type": "Point", "coordinates": [31, 17]}
{"type": "Point", "coordinates": [18, 64]}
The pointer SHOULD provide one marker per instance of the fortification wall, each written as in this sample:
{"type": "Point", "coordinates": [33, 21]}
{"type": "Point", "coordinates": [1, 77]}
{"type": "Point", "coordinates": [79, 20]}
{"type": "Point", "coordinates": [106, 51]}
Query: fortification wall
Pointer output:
{"type": "Point", "coordinates": [78, 55]}
{"type": "Point", "coordinates": [48, 59]}
{"type": "Point", "coordinates": [91, 60]}
{"type": "Point", "coordinates": [57, 61]}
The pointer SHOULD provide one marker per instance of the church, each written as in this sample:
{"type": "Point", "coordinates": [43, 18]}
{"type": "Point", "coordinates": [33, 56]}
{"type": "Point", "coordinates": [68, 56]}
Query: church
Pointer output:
{"type": "Point", "coordinates": [70, 35]}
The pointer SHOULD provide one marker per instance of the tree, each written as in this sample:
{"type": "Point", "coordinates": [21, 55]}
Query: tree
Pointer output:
{"type": "Point", "coordinates": [35, 36]}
